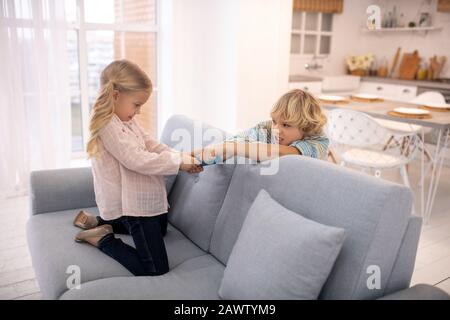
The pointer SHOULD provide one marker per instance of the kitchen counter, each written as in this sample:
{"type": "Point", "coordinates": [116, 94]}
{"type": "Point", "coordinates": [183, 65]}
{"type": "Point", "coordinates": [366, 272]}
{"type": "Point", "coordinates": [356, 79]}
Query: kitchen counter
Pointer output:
{"type": "Point", "coordinates": [303, 78]}
{"type": "Point", "coordinates": [417, 83]}
{"type": "Point", "coordinates": [395, 89]}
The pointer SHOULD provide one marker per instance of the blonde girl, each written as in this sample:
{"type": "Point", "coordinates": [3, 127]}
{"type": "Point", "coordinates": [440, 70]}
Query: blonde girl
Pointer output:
{"type": "Point", "coordinates": [128, 168]}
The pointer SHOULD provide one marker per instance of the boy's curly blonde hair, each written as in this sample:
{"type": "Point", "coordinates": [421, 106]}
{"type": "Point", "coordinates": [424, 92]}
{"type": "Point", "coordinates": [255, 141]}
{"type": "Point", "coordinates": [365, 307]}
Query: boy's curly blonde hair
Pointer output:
{"type": "Point", "coordinates": [300, 108]}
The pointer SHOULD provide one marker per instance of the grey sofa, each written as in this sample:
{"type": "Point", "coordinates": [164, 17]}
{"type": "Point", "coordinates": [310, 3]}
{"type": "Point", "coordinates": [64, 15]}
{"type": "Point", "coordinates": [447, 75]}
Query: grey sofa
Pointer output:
{"type": "Point", "coordinates": [206, 214]}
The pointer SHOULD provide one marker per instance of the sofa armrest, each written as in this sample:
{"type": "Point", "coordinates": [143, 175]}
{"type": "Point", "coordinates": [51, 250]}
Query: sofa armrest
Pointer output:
{"type": "Point", "coordinates": [418, 292]}
{"type": "Point", "coordinates": [61, 189]}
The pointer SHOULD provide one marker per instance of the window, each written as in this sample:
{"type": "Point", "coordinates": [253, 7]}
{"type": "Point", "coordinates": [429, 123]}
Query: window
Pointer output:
{"type": "Point", "coordinates": [311, 33]}
{"type": "Point", "coordinates": [99, 32]}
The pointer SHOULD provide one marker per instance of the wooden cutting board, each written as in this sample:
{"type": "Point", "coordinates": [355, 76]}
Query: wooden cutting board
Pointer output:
{"type": "Point", "coordinates": [409, 66]}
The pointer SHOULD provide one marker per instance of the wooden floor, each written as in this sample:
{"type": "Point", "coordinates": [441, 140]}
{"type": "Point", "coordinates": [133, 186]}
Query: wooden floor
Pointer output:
{"type": "Point", "coordinates": [17, 278]}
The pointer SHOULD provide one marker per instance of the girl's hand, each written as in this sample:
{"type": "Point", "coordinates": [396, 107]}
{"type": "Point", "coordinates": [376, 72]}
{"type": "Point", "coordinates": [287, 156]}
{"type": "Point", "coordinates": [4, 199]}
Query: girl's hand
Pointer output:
{"type": "Point", "coordinates": [190, 164]}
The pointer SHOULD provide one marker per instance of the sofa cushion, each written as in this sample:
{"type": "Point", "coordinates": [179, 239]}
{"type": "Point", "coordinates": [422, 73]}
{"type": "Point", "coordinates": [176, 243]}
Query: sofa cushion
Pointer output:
{"type": "Point", "coordinates": [279, 254]}
{"type": "Point", "coordinates": [197, 278]}
{"type": "Point", "coordinates": [195, 202]}
{"type": "Point", "coordinates": [374, 213]}
{"type": "Point", "coordinates": [53, 250]}
{"type": "Point", "coordinates": [184, 134]}
{"type": "Point", "coordinates": [195, 199]}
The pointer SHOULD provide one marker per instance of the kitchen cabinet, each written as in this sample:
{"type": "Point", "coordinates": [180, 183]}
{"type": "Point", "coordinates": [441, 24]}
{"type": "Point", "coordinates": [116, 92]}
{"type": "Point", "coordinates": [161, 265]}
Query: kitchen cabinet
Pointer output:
{"type": "Point", "coordinates": [389, 91]}
{"type": "Point", "coordinates": [314, 87]}
{"type": "Point", "coordinates": [405, 93]}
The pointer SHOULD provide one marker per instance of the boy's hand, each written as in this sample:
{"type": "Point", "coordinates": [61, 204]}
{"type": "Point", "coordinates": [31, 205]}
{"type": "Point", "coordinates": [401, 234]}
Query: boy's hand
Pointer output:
{"type": "Point", "coordinates": [190, 164]}
{"type": "Point", "coordinates": [223, 150]}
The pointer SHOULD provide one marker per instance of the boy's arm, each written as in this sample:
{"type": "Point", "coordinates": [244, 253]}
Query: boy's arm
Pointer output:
{"type": "Point", "coordinates": [314, 147]}
{"type": "Point", "coordinates": [259, 151]}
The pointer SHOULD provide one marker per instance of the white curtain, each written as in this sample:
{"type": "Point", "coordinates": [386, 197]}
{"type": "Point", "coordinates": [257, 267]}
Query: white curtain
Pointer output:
{"type": "Point", "coordinates": [35, 112]}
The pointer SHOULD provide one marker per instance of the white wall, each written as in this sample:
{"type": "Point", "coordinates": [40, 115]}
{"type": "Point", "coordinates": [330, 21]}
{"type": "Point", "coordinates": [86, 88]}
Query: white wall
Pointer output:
{"type": "Point", "coordinates": [349, 39]}
{"type": "Point", "coordinates": [223, 62]}
{"type": "Point", "coordinates": [263, 60]}
{"type": "Point", "coordinates": [197, 55]}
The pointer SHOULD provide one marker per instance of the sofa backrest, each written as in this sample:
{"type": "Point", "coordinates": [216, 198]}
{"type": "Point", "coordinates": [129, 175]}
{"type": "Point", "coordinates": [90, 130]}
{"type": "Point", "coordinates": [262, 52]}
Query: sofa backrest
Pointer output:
{"type": "Point", "coordinates": [375, 213]}
{"type": "Point", "coordinates": [195, 199]}
{"type": "Point", "coordinates": [403, 269]}
{"type": "Point", "coordinates": [210, 209]}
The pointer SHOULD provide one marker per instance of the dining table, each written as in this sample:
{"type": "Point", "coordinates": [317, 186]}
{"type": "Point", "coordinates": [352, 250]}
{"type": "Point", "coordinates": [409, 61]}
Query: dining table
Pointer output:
{"type": "Point", "coordinates": [439, 122]}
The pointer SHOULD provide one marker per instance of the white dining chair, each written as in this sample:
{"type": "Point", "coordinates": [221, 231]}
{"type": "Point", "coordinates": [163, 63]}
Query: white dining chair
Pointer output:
{"type": "Point", "coordinates": [403, 128]}
{"type": "Point", "coordinates": [359, 140]}
{"type": "Point", "coordinates": [425, 98]}
{"type": "Point", "coordinates": [429, 97]}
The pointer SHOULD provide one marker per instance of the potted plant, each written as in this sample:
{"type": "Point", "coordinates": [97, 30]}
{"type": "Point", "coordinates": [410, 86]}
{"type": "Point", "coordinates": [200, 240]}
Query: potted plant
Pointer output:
{"type": "Point", "coordinates": [359, 65]}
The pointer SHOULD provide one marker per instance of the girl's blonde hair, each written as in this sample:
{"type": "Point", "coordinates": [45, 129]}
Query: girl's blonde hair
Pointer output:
{"type": "Point", "coordinates": [301, 109]}
{"type": "Point", "coordinates": [124, 76]}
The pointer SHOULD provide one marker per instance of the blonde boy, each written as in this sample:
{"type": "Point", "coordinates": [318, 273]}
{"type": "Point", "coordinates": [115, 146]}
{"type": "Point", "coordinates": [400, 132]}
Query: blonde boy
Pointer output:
{"type": "Point", "coordinates": [296, 128]}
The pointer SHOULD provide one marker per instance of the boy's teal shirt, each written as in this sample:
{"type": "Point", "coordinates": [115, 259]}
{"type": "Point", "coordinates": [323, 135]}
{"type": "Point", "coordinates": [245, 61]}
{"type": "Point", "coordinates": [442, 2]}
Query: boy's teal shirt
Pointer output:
{"type": "Point", "coordinates": [315, 146]}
